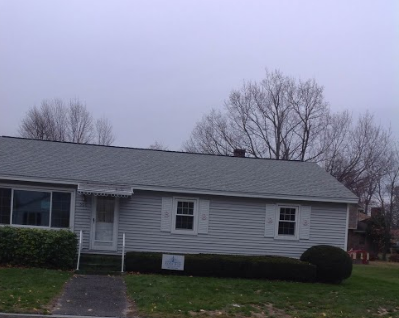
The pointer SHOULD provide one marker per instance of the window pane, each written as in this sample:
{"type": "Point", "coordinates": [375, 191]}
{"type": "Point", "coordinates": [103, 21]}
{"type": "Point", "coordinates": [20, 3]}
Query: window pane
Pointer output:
{"type": "Point", "coordinates": [105, 219]}
{"type": "Point", "coordinates": [186, 208]}
{"type": "Point", "coordinates": [5, 205]}
{"type": "Point", "coordinates": [286, 228]}
{"type": "Point", "coordinates": [179, 207]}
{"type": "Point", "coordinates": [184, 222]}
{"type": "Point", "coordinates": [105, 209]}
{"type": "Point", "coordinates": [61, 209]}
{"type": "Point", "coordinates": [31, 208]}
{"type": "Point", "coordinates": [287, 214]}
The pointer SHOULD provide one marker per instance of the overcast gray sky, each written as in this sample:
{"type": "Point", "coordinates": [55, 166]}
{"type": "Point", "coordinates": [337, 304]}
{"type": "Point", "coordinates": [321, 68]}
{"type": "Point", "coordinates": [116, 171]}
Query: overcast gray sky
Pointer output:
{"type": "Point", "coordinates": [155, 67]}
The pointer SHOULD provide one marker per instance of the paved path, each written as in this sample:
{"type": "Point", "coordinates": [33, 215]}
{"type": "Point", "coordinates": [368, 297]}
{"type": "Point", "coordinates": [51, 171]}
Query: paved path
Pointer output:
{"type": "Point", "coordinates": [92, 295]}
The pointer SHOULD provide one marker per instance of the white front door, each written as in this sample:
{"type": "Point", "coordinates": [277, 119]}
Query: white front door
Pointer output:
{"type": "Point", "coordinates": [104, 223]}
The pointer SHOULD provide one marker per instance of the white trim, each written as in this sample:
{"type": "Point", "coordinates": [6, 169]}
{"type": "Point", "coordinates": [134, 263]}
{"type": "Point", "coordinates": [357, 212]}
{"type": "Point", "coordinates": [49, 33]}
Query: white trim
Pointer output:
{"type": "Point", "coordinates": [198, 191]}
{"type": "Point", "coordinates": [11, 205]}
{"type": "Point", "coordinates": [39, 180]}
{"type": "Point", "coordinates": [346, 228]}
{"type": "Point", "coordinates": [297, 221]}
{"type": "Point", "coordinates": [93, 221]}
{"type": "Point", "coordinates": [37, 227]}
{"type": "Point", "coordinates": [40, 188]}
{"type": "Point", "coordinates": [72, 211]}
{"type": "Point", "coordinates": [194, 231]}
{"type": "Point", "coordinates": [51, 210]}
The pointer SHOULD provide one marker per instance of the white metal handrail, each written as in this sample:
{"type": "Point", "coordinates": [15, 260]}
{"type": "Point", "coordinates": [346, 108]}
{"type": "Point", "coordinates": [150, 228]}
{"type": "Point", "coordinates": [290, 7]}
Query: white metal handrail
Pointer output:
{"type": "Point", "coordinates": [123, 252]}
{"type": "Point", "coordinates": [80, 248]}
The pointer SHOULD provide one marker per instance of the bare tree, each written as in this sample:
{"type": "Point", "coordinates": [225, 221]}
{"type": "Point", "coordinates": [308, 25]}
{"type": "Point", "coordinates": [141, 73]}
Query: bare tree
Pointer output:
{"type": "Point", "coordinates": [48, 122]}
{"type": "Point", "coordinates": [284, 118]}
{"type": "Point", "coordinates": [212, 135]}
{"type": "Point", "coordinates": [54, 120]}
{"type": "Point", "coordinates": [80, 123]}
{"type": "Point", "coordinates": [388, 198]}
{"type": "Point", "coordinates": [279, 118]}
{"type": "Point", "coordinates": [158, 146]}
{"type": "Point", "coordinates": [357, 153]}
{"type": "Point", "coordinates": [104, 135]}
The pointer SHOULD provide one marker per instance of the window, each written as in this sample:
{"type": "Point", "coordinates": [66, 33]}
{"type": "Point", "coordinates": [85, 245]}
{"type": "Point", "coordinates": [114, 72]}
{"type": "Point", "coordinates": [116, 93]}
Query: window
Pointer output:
{"type": "Point", "coordinates": [35, 207]}
{"type": "Point", "coordinates": [185, 216]}
{"type": "Point", "coordinates": [287, 222]}
{"type": "Point", "coordinates": [61, 209]}
{"type": "Point", "coordinates": [31, 208]}
{"type": "Point", "coordinates": [5, 206]}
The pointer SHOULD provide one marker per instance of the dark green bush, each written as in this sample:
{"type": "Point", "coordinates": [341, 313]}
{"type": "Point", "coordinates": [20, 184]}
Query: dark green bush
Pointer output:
{"type": "Point", "coordinates": [268, 267]}
{"type": "Point", "coordinates": [333, 264]}
{"type": "Point", "coordinates": [37, 247]}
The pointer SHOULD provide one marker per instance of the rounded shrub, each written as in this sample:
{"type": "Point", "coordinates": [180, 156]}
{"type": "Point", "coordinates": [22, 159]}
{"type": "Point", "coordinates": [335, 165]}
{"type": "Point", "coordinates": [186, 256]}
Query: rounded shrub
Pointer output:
{"type": "Point", "coordinates": [333, 264]}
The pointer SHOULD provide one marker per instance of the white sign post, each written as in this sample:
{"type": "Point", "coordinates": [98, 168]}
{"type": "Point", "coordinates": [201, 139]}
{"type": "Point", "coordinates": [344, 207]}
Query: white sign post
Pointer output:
{"type": "Point", "coordinates": [173, 262]}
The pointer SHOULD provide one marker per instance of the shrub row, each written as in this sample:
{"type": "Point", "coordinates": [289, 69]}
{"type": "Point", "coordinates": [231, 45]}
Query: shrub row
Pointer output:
{"type": "Point", "coordinates": [268, 267]}
{"type": "Point", "coordinates": [37, 248]}
{"type": "Point", "coordinates": [394, 258]}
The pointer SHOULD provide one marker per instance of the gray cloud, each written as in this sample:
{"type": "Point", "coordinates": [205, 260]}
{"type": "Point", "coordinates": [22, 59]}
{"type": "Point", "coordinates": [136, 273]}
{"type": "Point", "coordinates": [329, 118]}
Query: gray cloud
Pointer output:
{"type": "Point", "coordinates": [155, 67]}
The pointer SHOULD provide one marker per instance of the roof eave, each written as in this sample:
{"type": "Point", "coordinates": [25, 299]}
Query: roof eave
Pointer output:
{"type": "Point", "coordinates": [353, 200]}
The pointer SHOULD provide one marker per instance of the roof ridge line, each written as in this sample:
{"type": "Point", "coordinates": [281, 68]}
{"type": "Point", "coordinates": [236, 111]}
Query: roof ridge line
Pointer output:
{"type": "Point", "coordinates": [155, 150]}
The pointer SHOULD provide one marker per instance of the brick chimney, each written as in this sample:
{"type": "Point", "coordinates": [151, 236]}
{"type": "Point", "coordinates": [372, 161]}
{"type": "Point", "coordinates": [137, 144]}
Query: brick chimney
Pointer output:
{"type": "Point", "coordinates": [239, 153]}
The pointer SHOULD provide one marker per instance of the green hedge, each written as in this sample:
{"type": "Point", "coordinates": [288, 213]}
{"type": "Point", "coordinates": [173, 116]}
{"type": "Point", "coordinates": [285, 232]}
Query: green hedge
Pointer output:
{"type": "Point", "coordinates": [268, 267]}
{"type": "Point", "coordinates": [37, 248]}
{"type": "Point", "coordinates": [333, 264]}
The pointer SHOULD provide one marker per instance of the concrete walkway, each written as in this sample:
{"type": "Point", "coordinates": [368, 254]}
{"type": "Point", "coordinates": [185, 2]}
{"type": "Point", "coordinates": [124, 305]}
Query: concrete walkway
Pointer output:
{"type": "Point", "coordinates": [93, 295]}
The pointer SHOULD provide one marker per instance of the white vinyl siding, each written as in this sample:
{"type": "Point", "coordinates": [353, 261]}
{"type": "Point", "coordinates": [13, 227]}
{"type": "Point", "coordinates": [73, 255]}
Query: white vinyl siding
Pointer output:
{"type": "Point", "coordinates": [236, 226]}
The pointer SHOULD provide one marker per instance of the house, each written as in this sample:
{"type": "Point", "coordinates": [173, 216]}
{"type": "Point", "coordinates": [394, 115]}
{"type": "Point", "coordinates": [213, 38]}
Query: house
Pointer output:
{"type": "Point", "coordinates": [357, 230]}
{"type": "Point", "coordinates": [169, 201]}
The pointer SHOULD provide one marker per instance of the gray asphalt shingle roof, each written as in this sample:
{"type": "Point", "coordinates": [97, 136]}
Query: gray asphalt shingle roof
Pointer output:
{"type": "Point", "coordinates": [58, 161]}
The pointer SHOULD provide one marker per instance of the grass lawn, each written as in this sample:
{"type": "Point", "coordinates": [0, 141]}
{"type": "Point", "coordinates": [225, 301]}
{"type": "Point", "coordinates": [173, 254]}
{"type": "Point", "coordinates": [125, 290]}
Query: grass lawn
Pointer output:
{"type": "Point", "coordinates": [29, 290]}
{"type": "Point", "coordinates": [372, 291]}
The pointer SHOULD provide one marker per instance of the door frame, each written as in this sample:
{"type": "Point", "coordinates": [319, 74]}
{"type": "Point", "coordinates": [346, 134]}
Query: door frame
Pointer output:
{"type": "Point", "coordinates": [114, 246]}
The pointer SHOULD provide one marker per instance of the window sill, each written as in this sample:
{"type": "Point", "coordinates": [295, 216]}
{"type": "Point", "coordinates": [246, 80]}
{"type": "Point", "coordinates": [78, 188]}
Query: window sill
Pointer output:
{"type": "Point", "coordinates": [37, 227]}
{"type": "Point", "coordinates": [286, 238]}
{"type": "Point", "coordinates": [184, 232]}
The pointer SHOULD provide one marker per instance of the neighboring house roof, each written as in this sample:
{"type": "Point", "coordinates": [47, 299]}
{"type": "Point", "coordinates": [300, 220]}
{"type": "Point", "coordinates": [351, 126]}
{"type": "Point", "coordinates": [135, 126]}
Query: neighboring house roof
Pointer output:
{"type": "Point", "coordinates": [362, 216]}
{"type": "Point", "coordinates": [168, 171]}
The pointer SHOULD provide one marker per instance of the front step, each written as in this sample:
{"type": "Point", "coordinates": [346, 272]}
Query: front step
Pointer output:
{"type": "Point", "coordinates": [100, 264]}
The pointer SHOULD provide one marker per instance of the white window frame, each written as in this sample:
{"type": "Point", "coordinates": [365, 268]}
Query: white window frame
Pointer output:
{"type": "Point", "coordinates": [42, 189]}
{"type": "Point", "coordinates": [194, 231]}
{"type": "Point", "coordinates": [294, 237]}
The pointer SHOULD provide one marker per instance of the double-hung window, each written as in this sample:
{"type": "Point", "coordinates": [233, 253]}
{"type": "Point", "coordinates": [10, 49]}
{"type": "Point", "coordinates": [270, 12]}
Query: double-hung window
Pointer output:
{"type": "Point", "coordinates": [34, 207]}
{"type": "Point", "coordinates": [287, 225]}
{"type": "Point", "coordinates": [185, 216]}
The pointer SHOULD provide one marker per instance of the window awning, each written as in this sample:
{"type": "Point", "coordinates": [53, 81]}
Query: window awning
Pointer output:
{"type": "Point", "coordinates": [105, 190]}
